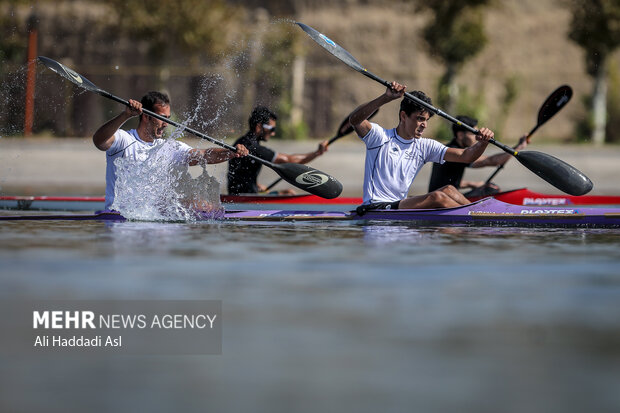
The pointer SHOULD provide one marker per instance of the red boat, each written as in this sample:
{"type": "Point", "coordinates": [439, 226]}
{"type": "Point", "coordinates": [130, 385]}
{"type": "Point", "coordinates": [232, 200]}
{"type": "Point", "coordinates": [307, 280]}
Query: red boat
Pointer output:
{"type": "Point", "coordinates": [288, 199]}
{"type": "Point", "coordinates": [524, 196]}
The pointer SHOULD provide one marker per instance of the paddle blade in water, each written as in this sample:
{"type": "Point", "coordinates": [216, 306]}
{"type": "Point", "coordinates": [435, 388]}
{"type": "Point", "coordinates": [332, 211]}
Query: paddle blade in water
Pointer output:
{"type": "Point", "coordinates": [555, 171]}
{"type": "Point", "coordinates": [309, 179]}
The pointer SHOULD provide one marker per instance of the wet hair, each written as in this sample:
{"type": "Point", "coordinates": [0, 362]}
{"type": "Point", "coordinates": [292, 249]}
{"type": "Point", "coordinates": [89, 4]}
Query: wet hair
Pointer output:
{"type": "Point", "coordinates": [154, 98]}
{"type": "Point", "coordinates": [260, 115]}
{"type": "Point", "coordinates": [409, 106]}
{"type": "Point", "coordinates": [466, 120]}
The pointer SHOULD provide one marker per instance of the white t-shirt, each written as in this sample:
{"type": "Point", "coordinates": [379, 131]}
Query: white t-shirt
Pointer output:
{"type": "Point", "coordinates": [392, 163]}
{"type": "Point", "coordinates": [128, 144]}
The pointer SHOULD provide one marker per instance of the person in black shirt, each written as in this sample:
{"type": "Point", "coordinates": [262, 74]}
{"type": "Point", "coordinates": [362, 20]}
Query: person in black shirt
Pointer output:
{"type": "Point", "coordinates": [243, 173]}
{"type": "Point", "coordinates": [451, 173]}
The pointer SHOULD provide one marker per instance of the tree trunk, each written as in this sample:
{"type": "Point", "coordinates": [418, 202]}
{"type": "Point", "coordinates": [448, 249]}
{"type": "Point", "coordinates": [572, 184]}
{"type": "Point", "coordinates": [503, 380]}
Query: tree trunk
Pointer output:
{"type": "Point", "coordinates": [599, 104]}
{"type": "Point", "coordinates": [453, 92]}
{"type": "Point", "coordinates": [254, 50]}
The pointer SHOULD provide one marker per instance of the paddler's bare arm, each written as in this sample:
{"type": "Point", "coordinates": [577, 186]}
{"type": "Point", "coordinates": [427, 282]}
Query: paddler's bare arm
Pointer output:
{"type": "Point", "coordinates": [104, 137]}
{"type": "Point", "coordinates": [359, 117]}
{"type": "Point", "coordinates": [302, 157]}
{"type": "Point", "coordinates": [472, 153]}
{"type": "Point", "coordinates": [215, 155]}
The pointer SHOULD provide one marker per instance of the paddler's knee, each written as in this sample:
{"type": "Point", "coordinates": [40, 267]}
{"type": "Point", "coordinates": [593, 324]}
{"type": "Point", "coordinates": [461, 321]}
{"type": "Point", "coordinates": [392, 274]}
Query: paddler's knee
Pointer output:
{"type": "Point", "coordinates": [448, 189]}
{"type": "Point", "coordinates": [436, 197]}
{"type": "Point", "coordinates": [440, 199]}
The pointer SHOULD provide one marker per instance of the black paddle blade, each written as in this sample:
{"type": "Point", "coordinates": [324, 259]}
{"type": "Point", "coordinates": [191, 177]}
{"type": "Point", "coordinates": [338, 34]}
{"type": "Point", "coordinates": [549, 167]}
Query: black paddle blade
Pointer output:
{"type": "Point", "coordinates": [332, 47]}
{"type": "Point", "coordinates": [309, 179]}
{"type": "Point", "coordinates": [555, 171]}
{"type": "Point", "coordinates": [68, 74]}
{"type": "Point", "coordinates": [554, 103]}
{"type": "Point", "coordinates": [345, 127]}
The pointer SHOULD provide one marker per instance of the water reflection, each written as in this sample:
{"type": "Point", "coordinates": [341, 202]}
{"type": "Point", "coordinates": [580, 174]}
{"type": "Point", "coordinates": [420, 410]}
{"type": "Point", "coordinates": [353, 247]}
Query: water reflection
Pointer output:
{"type": "Point", "coordinates": [386, 234]}
{"type": "Point", "coordinates": [382, 233]}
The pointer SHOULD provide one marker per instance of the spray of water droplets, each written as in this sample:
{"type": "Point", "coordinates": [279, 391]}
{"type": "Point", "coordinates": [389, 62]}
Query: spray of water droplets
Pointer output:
{"type": "Point", "coordinates": [158, 187]}
{"type": "Point", "coordinates": [12, 91]}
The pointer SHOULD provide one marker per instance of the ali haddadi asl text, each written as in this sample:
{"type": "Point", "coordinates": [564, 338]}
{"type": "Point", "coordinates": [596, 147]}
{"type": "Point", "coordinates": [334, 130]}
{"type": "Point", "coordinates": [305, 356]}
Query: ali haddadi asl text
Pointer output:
{"type": "Point", "coordinates": [78, 341]}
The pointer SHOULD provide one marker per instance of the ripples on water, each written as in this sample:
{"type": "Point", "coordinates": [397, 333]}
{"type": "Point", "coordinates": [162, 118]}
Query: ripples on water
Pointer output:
{"type": "Point", "coordinates": [333, 316]}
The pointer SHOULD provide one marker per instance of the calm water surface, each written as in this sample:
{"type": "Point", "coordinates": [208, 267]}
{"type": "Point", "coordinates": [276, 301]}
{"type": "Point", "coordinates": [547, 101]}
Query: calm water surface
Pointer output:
{"type": "Point", "coordinates": [327, 316]}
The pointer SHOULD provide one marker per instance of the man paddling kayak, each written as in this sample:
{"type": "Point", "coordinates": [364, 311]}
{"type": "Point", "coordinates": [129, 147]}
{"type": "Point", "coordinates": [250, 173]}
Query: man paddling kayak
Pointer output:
{"type": "Point", "coordinates": [135, 144]}
{"type": "Point", "coordinates": [451, 173]}
{"type": "Point", "coordinates": [394, 156]}
{"type": "Point", "coordinates": [243, 173]}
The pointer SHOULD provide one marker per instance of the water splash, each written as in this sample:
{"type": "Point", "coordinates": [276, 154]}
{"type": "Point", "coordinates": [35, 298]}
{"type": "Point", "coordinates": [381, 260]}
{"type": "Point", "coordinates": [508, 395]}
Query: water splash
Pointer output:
{"type": "Point", "coordinates": [12, 92]}
{"type": "Point", "coordinates": [207, 117]}
{"type": "Point", "coordinates": [158, 187]}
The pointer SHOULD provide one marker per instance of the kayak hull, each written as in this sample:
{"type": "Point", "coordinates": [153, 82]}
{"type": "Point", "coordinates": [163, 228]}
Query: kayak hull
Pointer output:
{"type": "Point", "coordinates": [488, 212]}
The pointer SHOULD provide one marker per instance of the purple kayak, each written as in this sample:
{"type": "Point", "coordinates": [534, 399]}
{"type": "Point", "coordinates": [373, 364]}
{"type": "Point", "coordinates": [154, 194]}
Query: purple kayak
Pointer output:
{"type": "Point", "coordinates": [488, 211]}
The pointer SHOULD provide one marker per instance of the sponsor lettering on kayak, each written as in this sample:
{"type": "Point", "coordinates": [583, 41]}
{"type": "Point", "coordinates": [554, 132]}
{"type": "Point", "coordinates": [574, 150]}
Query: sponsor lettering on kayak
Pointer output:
{"type": "Point", "coordinates": [549, 211]}
{"type": "Point", "coordinates": [545, 201]}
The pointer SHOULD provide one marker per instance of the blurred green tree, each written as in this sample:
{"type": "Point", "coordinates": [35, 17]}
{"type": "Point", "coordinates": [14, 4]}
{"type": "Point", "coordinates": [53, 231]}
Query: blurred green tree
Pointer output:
{"type": "Point", "coordinates": [281, 46]}
{"type": "Point", "coordinates": [613, 104]}
{"type": "Point", "coordinates": [595, 26]}
{"type": "Point", "coordinates": [14, 29]}
{"type": "Point", "coordinates": [195, 27]}
{"type": "Point", "coordinates": [454, 34]}
{"type": "Point", "coordinates": [13, 35]}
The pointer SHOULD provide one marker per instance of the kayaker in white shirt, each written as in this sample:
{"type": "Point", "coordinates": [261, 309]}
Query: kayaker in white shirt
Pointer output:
{"type": "Point", "coordinates": [135, 143]}
{"type": "Point", "coordinates": [395, 156]}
